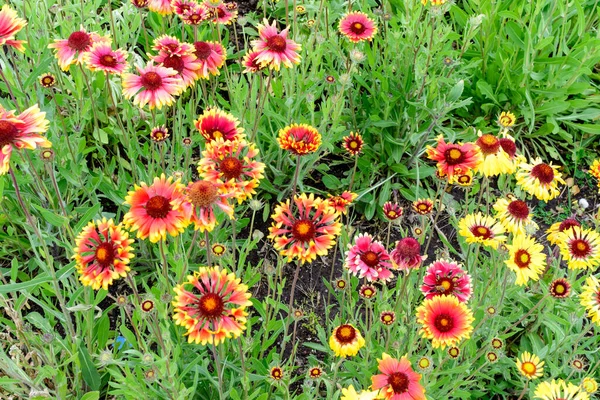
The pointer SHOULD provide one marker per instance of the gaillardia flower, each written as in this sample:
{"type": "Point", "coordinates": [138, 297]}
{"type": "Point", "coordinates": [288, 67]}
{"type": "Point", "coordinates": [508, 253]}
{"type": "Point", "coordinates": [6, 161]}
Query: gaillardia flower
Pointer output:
{"type": "Point", "coordinates": [185, 64]}
{"type": "Point", "coordinates": [224, 13]}
{"type": "Point", "coordinates": [171, 45]}
{"type": "Point", "coordinates": [72, 50]}
{"type": "Point", "coordinates": [357, 26]}
{"type": "Point", "coordinates": [276, 373]}
{"type": "Point", "coordinates": [10, 25]}
{"type": "Point", "coordinates": [369, 259]}
{"type": "Point", "coordinates": [514, 215]}
{"type": "Point", "coordinates": [506, 119]}
{"type": "Point", "coordinates": [204, 195]}
{"type": "Point", "coordinates": [580, 248]}
{"type": "Point", "coordinates": [479, 228]}
{"type": "Point", "coordinates": [157, 209]}
{"type": "Point", "coordinates": [231, 164]}
{"type": "Point", "coordinates": [560, 288]}
{"type": "Point", "coordinates": [495, 160]}
{"type": "Point", "coordinates": [539, 179]}
{"type": "Point", "coordinates": [315, 372]}
{"type": "Point", "coordinates": [275, 48]}
{"type": "Point", "coordinates": [306, 231]}
{"type": "Point", "coordinates": [422, 206]}
{"type": "Point", "coordinates": [397, 381]}
{"type": "Point", "coordinates": [340, 203]}
{"type": "Point", "coordinates": [22, 132]}
{"type": "Point", "coordinates": [215, 123]}
{"type": "Point", "coordinates": [155, 86]}
{"type": "Point", "coordinates": [195, 15]}
{"type": "Point", "coordinates": [454, 159]}
{"type": "Point", "coordinates": [101, 57]}
{"type": "Point", "coordinates": [47, 80]}
{"type": "Point", "coordinates": [407, 254]}
{"type": "Point", "coordinates": [447, 278]}
{"type": "Point", "coordinates": [590, 298]}
{"type": "Point", "coordinates": [530, 366]}
{"type": "Point", "coordinates": [211, 306]}
{"type": "Point", "coordinates": [526, 258]}
{"type": "Point", "coordinates": [250, 62]}
{"type": "Point", "coordinates": [102, 253]}
{"type": "Point", "coordinates": [299, 139]}
{"type": "Point", "coordinates": [589, 384]}
{"type": "Point", "coordinates": [346, 340]}
{"type": "Point", "coordinates": [559, 390]}
{"type": "Point", "coordinates": [163, 7]}
{"type": "Point", "coordinates": [392, 211]}
{"type": "Point", "coordinates": [350, 393]}
{"type": "Point", "coordinates": [353, 143]}
{"type": "Point", "coordinates": [211, 56]}
{"type": "Point", "coordinates": [181, 6]}
{"type": "Point", "coordinates": [555, 231]}
{"type": "Point", "coordinates": [387, 317]}
{"type": "Point", "coordinates": [159, 134]}
{"type": "Point", "coordinates": [445, 320]}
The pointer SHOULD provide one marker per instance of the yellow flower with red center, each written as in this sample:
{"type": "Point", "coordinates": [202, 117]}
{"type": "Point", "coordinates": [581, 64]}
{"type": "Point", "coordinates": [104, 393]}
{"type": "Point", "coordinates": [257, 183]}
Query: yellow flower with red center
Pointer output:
{"type": "Point", "coordinates": [10, 25]}
{"type": "Point", "coordinates": [158, 209]}
{"type": "Point", "coordinates": [299, 139]}
{"type": "Point", "coordinates": [340, 203]}
{"type": "Point", "coordinates": [232, 165]}
{"type": "Point", "coordinates": [526, 258]}
{"type": "Point", "coordinates": [353, 143]}
{"type": "Point", "coordinates": [580, 248]}
{"type": "Point", "coordinates": [346, 340]}
{"type": "Point", "coordinates": [454, 159]}
{"type": "Point", "coordinates": [495, 160]}
{"type": "Point", "coordinates": [590, 298]}
{"type": "Point", "coordinates": [204, 196]}
{"type": "Point", "coordinates": [453, 352]}
{"type": "Point", "coordinates": [445, 320]}
{"type": "Point", "coordinates": [479, 228]}
{"type": "Point", "coordinates": [211, 306]}
{"type": "Point", "coordinates": [560, 288]}
{"type": "Point", "coordinates": [465, 179]}
{"type": "Point", "coordinates": [21, 132]}
{"type": "Point", "coordinates": [423, 206]}
{"type": "Point", "coordinates": [589, 385]}
{"type": "Point", "coordinates": [559, 390]}
{"type": "Point", "coordinates": [514, 215]}
{"type": "Point", "coordinates": [307, 231]}
{"type": "Point", "coordinates": [539, 179]}
{"type": "Point", "coordinates": [397, 380]}
{"type": "Point", "coordinates": [506, 119]}
{"type": "Point", "coordinates": [555, 235]}
{"type": "Point", "coordinates": [215, 123]}
{"type": "Point", "coordinates": [530, 366]}
{"type": "Point", "coordinates": [102, 253]}
{"type": "Point", "coordinates": [276, 373]}
{"type": "Point", "coordinates": [315, 372]}
{"type": "Point", "coordinates": [47, 80]}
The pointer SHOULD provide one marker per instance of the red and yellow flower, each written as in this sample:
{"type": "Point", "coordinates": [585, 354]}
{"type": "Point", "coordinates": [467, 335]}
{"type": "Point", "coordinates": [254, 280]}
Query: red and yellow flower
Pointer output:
{"type": "Point", "coordinates": [157, 209]}
{"type": "Point", "coordinates": [10, 25]}
{"type": "Point", "coordinates": [204, 196]}
{"type": "Point", "coordinates": [479, 228]}
{"type": "Point", "coordinates": [211, 306]}
{"type": "Point", "coordinates": [307, 231]}
{"type": "Point", "coordinates": [445, 320]}
{"type": "Point", "coordinates": [555, 232]}
{"type": "Point", "coordinates": [185, 64]}
{"type": "Point", "coordinates": [580, 248]}
{"type": "Point", "coordinates": [357, 27]}
{"type": "Point", "coordinates": [346, 341]}
{"type": "Point", "coordinates": [447, 278]}
{"type": "Point", "coordinates": [155, 86]}
{"type": "Point", "coordinates": [530, 366]}
{"type": "Point", "coordinates": [275, 48]}
{"type": "Point", "coordinates": [560, 288]}
{"type": "Point", "coordinates": [353, 143]}
{"type": "Point", "coordinates": [514, 215]}
{"type": "Point", "coordinates": [73, 49]}
{"type": "Point", "coordinates": [397, 381]}
{"type": "Point", "coordinates": [250, 62]}
{"type": "Point", "coordinates": [495, 160]}
{"type": "Point", "coordinates": [340, 203]}
{"type": "Point", "coordinates": [215, 123]}
{"type": "Point", "coordinates": [211, 56]}
{"type": "Point", "coordinates": [539, 179]}
{"type": "Point", "coordinates": [299, 139]}
{"type": "Point", "coordinates": [101, 57]}
{"type": "Point", "coordinates": [162, 7]}
{"type": "Point", "coordinates": [454, 159]}
{"type": "Point", "coordinates": [392, 211]}
{"type": "Point", "coordinates": [102, 253]}
{"type": "Point", "coordinates": [526, 258]}
{"type": "Point", "coordinates": [590, 298]}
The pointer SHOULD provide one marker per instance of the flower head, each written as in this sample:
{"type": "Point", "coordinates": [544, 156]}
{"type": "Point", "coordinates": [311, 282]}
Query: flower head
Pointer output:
{"type": "Point", "coordinates": [276, 373]}
{"type": "Point", "coordinates": [315, 372]}
{"type": "Point", "coordinates": [479, 228]}
{"type": "Point", "coordinates": [559, 390]}
{"type": "Point", "coordinates": [590, 298]}
{"type": "Point", "coordinates": [387, 317]}
{"type": "Point", "coordinates": [211, 305]}
{"type": "Point", "coordinates": [159, 134]}
{"type": "Point", "coordinates": [215, 123]}
{"type": "Point", "coordinates": [530, 366]}
{"type": "Point", "coordinates": [495, 160]}
{"type": "Point", "coordinates": [392, 211]}
{"type": "Point", "coordinates": [492, 356]}
{"type": "Point", "coordinates": [526, 258]}
{"type": "Point", "coordinates": [423, 206]}
{"type": "Point", "coordinates": [250, 62]}
{"type": "Point", "coordinates": [445, 320]}
{"type": "Point", "coordinates": [157, 209]}
{"type": "Point", "coordinates": [369, 259]}
{"type": "Point", "coordinates": [155, 86]}
{"type": "Point", "coordinates": [397, 381]}
{"type": "Point", "coordinates": [357, 27]}
{"type": "Point", "coordinates": [140, 3]}
{"type": "Point", "coordinates": [447, 278]}
{"type": "Point", "coordinates": [580, 248]}
{"type": "Point", "coordinates": [275, 48]}
{"type": "Point", "coordinates": [367, 291]}
{"type": "Point", "coordinates": [350, 393]}
{"type": "Point", "coordinates": [353, 143]}
{"type": "Point", "coordinates": [299, 139]}
{"type": "Point", "coordinates": [539, 179]}
{"type": "Point", "coordinates": [47, 80]}
{"type": "Point", "coordinates": [589, 385]}
{"type": "Point", "coordinates": [181, 6]}
{"type": "Point", "coordinates": [231, 164]}
{"type": "Point", "coordinates": [10, 25]}
{"type": "Point", "coordinates": [162, 7]}
{"type": "Point", "coordinates": [195, 14]}
{"type": "Point", "coordinates": [21, 132]}
{"type": "Point", "coordinates": [204, 196]}
{"type": "Point", "coordinates": [506, 119]}
{"type": "Point", "coordinates": [101, 57]}
{"type": "Point", "coordinates": [102, 253]}
{"type": "Point", "coordinates": [73, 49]}
{"type": "Point", "coordinates": [514, 214]}
{"type": "Point", "coordinates": [454, 159]}
{"type": "Point", "coordinates": [306, 231]}
{"type": "Point", "coordinates": [171, 45]}
{"type": "Point", "coordinates": [211, 56]}
{"type": "Point", "coordinates": [453, 352]}
{"type": "Point", "coordinates": [555, 231]}
{"type": "Point", "coordinates": [407, 254]}
{"type": "Point", "coordinates": [346, 340]}
{"type": "Point", "coordinates": [340, 203]}
{"type": "Point", "coordinates": [186, 65]}
{"type": "Point", "coordinates": [560, 288]}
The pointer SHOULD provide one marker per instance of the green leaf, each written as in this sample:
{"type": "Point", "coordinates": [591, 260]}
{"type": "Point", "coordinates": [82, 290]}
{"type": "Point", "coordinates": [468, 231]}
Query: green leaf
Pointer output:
{"type": "Point", "coordinates": [25, 286]}
{"type": "Point", "coordinates": [91, 396]}
{"type": "Point", "coordinates": [553, 107]}
{"type": "Point", "coordinates": [456, 91]}
{"type": "Point", "coordinates": [486, 90]}
{"type": "Point", "coordinates": [88, 369]}
{"type": "Point", "coordinates": [50, 217]}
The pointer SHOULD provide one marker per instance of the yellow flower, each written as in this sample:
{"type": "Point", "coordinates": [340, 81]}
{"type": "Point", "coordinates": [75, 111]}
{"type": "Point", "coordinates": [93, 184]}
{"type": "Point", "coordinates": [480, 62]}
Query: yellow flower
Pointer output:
{"type": "Point", "coordinates": [346, 340]}
{"type": "Point", "coordinates": [557, 390]}
{"type": "Point", "coordinates": [539, 179]}
{"type": "Point", "coordinates": [496, 161]}
{"type": "Point", "coordinates": [530, 366]}
{"type": "Point", "coordinates": [590, 385]}
{"type": "Point", "coordinates": [477, 228]}
{"type": "Point", "coordinates": [350, 394]}
{"type": "Point", "coordinates": [514, 214]}
{"type": "Point", "coordinates": [506, 119]}
{"type": "Point", "coordinates": [590, 298]}
{"type": "Point", "coordinates": [580, 248]}
{"type": "Point", "coordinates": [526, 259]}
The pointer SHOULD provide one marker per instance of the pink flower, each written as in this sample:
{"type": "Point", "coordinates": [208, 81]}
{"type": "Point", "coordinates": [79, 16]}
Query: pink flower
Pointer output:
{"type": "Point", "coordinates": [163, 7]}
{"type": "Point", "coordinates": [211, 56]}
{"type": "Point", "coordinates": [171, 45]}
{"type": "Point", "coordinates": [195, 14]}
{"type": "Point", "coordinates": [407, 254]}
{"type": "Point", "coordinates": [186, 65]}
{"type": "Point", "coordinates": [10, 24]}
{"type": "Point", "coordinates": [250, 63]}
{"type": "Point", "coordinates": [397, 380]}
{"type": "Point", "coordinates": [368, 259]}
{"type": "Point", "coordinates": [154, 85]}
{"type": "Point", "coordinates": [102, 57]}
{"type": "Point", "coordinates": [72, 50]}
{"type": "Point", "coordinates": [357, 26]}
{"type": "Point", "coordinates": [275, 48]}
{"type": "Point", "coordinates": [223, 13]}
{"type": "Point", "coordinates": [446, 277]}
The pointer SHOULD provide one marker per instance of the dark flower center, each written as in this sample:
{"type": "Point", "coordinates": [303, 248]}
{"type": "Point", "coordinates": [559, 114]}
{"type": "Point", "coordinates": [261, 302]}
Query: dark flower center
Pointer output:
{"type": "Point", "coordinates": [158, 207]}
{"type": "Point", "coordinates": [370, 258]}
{"type": "Point", "coordinates": [303, 230]}
{"type": "Point", "coordinates": [508, 146]}
{"type": "Point", "coordinates": [345, 334]}
{"type": "Point", "coordinates": [566, 224]}
{"type": "Point", "coordinates": [543, 172]}
{"type": "Point", "coordinates": [408, 248]}
{"type": "Point", "coordinates": [47, 81]}
{"type": "Point", "coordinates": [174, 61]}
{"type": "Point", "coordinates": [108, 61]}
{"type": "Point", "coordinates": [231, 168]}
{"type": "Point", "coordinates": [210, 305]}
{"type": "Point", "coordinates": [195, 18]}
{"type": "Point", "coordinates": [151, 80]}
{"type": "Point", "coordinates": [488, 144]}
{"type": "Point", "coordinates": [357, 28]}
{"type": "Point", "coordinates": [202, 193]}
{"type": "Point", "coordinates": [481, 232]}
{"type": "Point", "coordinates": [105, 254]}
{"type": "Point", "coordinates": [79, 41]}
{"type": "Point", "coordinates": [203, 50]}
{"type": "Point", "coordinates": [399, 382]}
{"type": "Point", "coordinates": [444, 285]}
{"type": "Point", "coordinates": [518, 209]}
{"type": "Point", "coordinates": [220, 13]}
{"type": "Point", "coordinates": [276, 43]}
{"type": "Point", "coordinates": [522, 258]}
{"type": "Point", "coordinates": [8, 133]}
{"type": "Point", "coordinates": [580, 248]}
{"type": "Point", "coordinates": [454, 156]}
{"type": "Point", "coordinates": [443, 323]}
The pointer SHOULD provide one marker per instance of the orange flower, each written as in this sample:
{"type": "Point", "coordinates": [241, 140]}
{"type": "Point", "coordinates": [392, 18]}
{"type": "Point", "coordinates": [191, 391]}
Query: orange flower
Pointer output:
{"type": "Point", "coordinates": [397, 381]}
{"type": "Point", "coordinates": [454, 159]}
{"type": "Point", "coordinates": [445, 320]}
{"type": "Point", "coordinates": [204, 195]}
{"type": "Point", "coordinates": [299, 139]}
{"type": "Point", "coordinates": [340, 203]}
{"type": "Point", "coordinates": [10, 24]}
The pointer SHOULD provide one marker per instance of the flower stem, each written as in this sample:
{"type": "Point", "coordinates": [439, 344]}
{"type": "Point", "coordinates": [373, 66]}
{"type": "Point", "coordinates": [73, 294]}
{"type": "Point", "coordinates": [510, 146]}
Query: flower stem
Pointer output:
{"type": "Point", "coordinates": [219, 371]}
{"type": "Point", "coordinates": [91, 94]}
{"type": "Point", "coordinates": [208, 256]}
